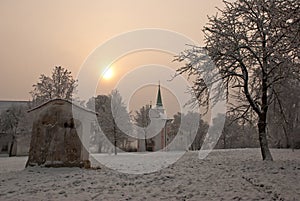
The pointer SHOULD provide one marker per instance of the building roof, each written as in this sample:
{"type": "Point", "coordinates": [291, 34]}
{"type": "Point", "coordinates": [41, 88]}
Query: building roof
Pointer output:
{"type": "Point", "coordinates": [159, 99]}
{"type": "Point", "coordinates": [63, 100]}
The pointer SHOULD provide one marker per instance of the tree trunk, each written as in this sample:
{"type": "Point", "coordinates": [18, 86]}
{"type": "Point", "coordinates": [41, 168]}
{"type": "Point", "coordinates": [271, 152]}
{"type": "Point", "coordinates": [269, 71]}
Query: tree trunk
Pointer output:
{"type": "Point", "coordinates": [10, 154]}
{"type": "Point", "coordinates": [115, 137]}
{"type": "Point", "coordinates": [100, 148]}
{"type": "Point", "coordinates": [224, 139]}
{"type": "Point", "coordinates": [265, 151]}
{"type": "Point", "coordinates": [286, 135]}
{"type": "Point", "coordinates": [11, 149]}
{"type": "Point", "coordinates": [115, 144]}
{"type": "Point", "coordinates": [145, 141]}
{"type": "Point", "coordinates": [262, 121]}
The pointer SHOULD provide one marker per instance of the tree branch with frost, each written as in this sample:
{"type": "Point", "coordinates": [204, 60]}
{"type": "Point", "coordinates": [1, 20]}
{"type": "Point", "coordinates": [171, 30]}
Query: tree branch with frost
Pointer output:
{"type": "Point", "coordinates": [249, 49]}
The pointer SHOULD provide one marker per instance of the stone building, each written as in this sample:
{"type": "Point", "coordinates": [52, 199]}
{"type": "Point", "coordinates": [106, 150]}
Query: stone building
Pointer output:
{"type": "Point", "coordinates": [60, 135]}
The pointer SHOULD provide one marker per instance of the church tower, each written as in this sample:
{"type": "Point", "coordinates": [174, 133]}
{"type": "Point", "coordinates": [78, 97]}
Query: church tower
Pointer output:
{"type": "Point", "coordinates": [158, 119]}
{"type": "Point", "coordinates": [158, 100]}
{"type": "Point", "coordinates": [159, 104]}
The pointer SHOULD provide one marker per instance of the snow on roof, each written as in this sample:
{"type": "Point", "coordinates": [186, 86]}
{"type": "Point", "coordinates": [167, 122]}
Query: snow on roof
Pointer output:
{"type": "Point", "coordinates": [64, 100]}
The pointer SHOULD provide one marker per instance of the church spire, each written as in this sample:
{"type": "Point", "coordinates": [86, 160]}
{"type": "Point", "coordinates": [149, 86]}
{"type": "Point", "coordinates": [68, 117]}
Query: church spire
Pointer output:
{"type": "Point", "coordinates": [159, 100]}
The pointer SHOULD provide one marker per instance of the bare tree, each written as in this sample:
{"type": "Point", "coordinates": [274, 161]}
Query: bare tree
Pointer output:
{"type": "Point", "coordinates": [60, 84]}
{"type": "Point", "coordinates": [254, 44]}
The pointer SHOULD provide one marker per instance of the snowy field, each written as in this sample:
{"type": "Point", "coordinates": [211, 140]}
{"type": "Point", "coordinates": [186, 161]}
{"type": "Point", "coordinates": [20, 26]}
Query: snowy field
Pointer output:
{"type": "Point", "coordinates": [224, 175]}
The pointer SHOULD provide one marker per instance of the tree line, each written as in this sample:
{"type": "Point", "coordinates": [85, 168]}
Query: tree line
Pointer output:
{"type": "Point", "coordinates": [237, 133]}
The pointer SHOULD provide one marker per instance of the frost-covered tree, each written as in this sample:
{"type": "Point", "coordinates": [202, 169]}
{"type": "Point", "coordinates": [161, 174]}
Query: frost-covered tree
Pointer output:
{"type": "Point", "coordinates": [113, 120]}
{"type": "Point", "coordinates": [284, 116]}
{"type": "Point", "coordinates": [10, 119]}
{"type": "Point", "coordinates": [255, 45]}
{"type": "Point", "coordinates": [142, 119]}
{"type": "Point", "coordinates": [182, 126]}
{"type": "Point", "coordinates": [101, 105]}
{"type": "Point", "coordinates": [173, 127]}
{"type": "Point", "coordinates": [60, 84]}
{"type": "Point", "coordinates": [14, 121]}
{"type": "Point", "coordinates": [121, 120]}
{"type": "Point", "coordinates": [237, 133]}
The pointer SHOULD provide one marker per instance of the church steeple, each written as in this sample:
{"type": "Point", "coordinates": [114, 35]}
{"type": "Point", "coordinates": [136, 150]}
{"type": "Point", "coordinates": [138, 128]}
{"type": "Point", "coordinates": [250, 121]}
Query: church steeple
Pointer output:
{"type": "Point", "coordinates": [159, 100]}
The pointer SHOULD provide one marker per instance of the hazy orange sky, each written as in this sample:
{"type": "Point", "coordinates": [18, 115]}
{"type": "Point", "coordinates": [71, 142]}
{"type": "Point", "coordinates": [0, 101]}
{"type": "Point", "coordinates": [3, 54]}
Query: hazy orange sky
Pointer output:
{"type": "Point", "coordinates": [37, 35]}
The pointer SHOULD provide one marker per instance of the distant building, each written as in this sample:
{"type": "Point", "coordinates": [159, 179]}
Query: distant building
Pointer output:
{"type": "Point", "coordinates": [6, 104]}
{"type": "Point", "coordinates": [157, 128]}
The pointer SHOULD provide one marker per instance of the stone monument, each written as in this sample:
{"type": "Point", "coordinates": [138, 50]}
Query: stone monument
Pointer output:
{"type": "Point", "coordinates": [60, 135]}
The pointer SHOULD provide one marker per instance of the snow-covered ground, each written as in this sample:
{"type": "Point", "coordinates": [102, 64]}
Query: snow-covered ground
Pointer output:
{"type": "Point", "coordinates": [136, 162]}
{"type": "Point", "coordinates": [224, 175]}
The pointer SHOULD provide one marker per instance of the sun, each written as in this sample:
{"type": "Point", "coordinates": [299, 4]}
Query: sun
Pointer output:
{"type": "Point", "coordinates": [108, 73]}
